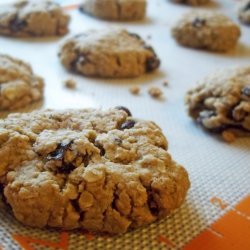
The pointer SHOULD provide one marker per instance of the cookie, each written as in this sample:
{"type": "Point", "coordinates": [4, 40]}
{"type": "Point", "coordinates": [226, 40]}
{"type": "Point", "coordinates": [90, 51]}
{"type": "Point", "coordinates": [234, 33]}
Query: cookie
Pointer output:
{"type": "Point", "coordinates": [18, 84]}
{"type": "Point", "coordinates": [33, 18]}
{"type": "Point", "coordinates": [221, 102]}
{"type": "Point", "coordinates": [102, 171]}
{"type": "Point", "coordinates": [244, 12]}
{"type": "Point", "coordinates": [108, 53]}
{"type": "Point", "coordinates": [206, 30]}
{"type": "Point", "coordinates": [192, 2]}
{"type": "Point", "coordinates": [115, 9]}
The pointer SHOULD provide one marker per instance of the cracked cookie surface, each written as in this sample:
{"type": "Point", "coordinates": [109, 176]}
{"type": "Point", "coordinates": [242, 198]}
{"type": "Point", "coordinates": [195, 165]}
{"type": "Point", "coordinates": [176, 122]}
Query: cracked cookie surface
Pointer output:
{"type": "Point", "coordinates": [221, 102]}
{"type": "Point", "coordinates": [207, 30]}
{"type": "Point", "coordinates": [108, 53]}
{"type": "Point", "coordinates": [18, 84]}
{"type": "Point", "coordinates": [103, 171]}
{"type": "Point", "coordinates": [115, 9]}
{"type": "Point", "coordinates": [244, 12]}
{"type": "Point", "coordinates": [33, 18]}
{"type": "Point", "coordinates": [192, 2]}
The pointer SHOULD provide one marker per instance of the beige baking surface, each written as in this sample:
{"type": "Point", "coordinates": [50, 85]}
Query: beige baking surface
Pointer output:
{"type": "Point", "coordinates": [219, 172]}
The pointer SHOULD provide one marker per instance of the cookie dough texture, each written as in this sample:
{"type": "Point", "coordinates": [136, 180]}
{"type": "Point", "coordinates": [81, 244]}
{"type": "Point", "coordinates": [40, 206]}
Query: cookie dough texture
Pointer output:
{"type": "Point", "coordinates": [115, 9]}
{"type": "Point", "coordinates": [244, 12]}
{"type": "Point", "coordinates": [192, 2]}
{"type": "Point", "coordinates": [206, 30]}
{"type": "Point", "coordinates": [109, 53]}
{"type": "Point", "coordinates": [102, 171]}
{"type": "Point", "coordinates": [33, 18]}
{"type": "Point", "coordinates": [18, 84]}
{"type": "Point", "coordinates": [222, 101]}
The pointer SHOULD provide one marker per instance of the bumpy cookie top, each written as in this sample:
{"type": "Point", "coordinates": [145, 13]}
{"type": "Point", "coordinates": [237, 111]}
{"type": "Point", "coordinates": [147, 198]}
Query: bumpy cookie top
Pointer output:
{"type": "Point", "coordinates": [33, 18]}
{"type": "Point", "coordinates": [211, 18]}
{"type": "Point", "coordinates": [207, 30]}
{"type": "Point", "coordinates": [18, 85]}
{"type": "Point", "coordinates": [115, 9]}
{"type": "Point", "coordinates": [222, 101]}
{"type": "Point", "coordinates": [108, 53]}
{"type": "Point", "coordinates": [98, 170]}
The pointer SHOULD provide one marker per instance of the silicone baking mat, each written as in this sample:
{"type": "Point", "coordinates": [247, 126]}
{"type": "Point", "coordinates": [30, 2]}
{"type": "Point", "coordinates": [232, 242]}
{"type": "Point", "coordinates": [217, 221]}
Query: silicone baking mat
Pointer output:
{"type": "Point", "coordinates": [216, 214]}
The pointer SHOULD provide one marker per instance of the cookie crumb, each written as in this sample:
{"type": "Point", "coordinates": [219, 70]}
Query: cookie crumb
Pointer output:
{"type": "Point", "coordinates": [155, 92]}
{"type": "Point", "coordinates": [134, 90]}
{"type": "Point", "coordinates": [70, 83]}
{"type": "Point", "coordinates": [165, 83]}
{"type": "Point", "coordinates": [228, 136]}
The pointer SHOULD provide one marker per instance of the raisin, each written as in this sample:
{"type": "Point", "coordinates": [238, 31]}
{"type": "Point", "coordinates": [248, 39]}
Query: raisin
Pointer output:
{"type": "Point", "coordinates": [128, 124]}
{"type": "Point", "coordinates": [227, 127]}
{"type": "Point", "coordinates": [101, 148]}
{"type": "Point", "coordinates": [124, 109]}
{"type": "Point", "coordinates": [135, 36]}
{"type": "Point", "coordinates": [58, 154]}
{"type": "Point", "coordinates": [81, 9]}
{"type": "Point", "coordinates": [152, 63]}
{"type": "Point", "coordinates": [147, 47]}
{"type": "Point", "coordinates": [217, 130]}
{"type": "Point", "coordinates": [17, 25]}
{"type": "Point", "coordinates": [247, 7]}
{"type": "Point", "coordinates": [153, 207]}
{"type": "Point", "coordinates": [246, 91]}
{"type": "Point", "coordinates": [198, 22]}
{"type": "Point", "coordinates": [66, 168]}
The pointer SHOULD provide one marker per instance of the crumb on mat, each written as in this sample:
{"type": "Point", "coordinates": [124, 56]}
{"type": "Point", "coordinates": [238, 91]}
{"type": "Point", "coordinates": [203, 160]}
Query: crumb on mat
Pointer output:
{"type": "Point", "coordinates": [70, 83]}
{"type": "Point", "coordinates": [165, 83]}
{"type": "Point", "coordinates": [135, 90]}
{"type": "Point", "coordinates": [155, 92]}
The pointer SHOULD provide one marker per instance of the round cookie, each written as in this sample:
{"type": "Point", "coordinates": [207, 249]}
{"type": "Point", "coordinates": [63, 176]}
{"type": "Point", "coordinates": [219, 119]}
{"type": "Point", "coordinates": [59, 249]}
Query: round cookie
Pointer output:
{"type": "Point", "coordinates": [102, 171]}
{"type": "Point", "coordinates": [33, 18]}
{"type": "Point", "coordinates": [115, 9]}
{"type": "Point", "coordinates": [18, 84]}
{"type": "Point", "coordinates": [206, 30]}
{"type": "Point", "coordinates": [221, 102]}
{"type": "Point", "coordinates": [108, 53]}
{"type": "Point", "coordinates": [244, 12]}
{"type": "Point", "coordinates": [192, 2]}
